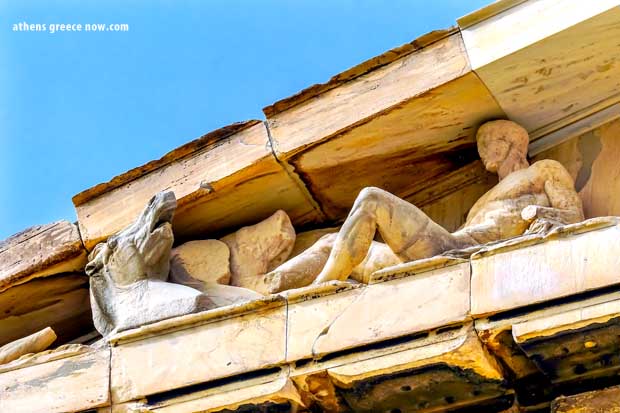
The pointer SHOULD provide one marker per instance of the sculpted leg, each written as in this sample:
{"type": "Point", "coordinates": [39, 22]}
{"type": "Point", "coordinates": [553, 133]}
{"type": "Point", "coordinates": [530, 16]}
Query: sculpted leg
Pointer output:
{"type": "Point", "coordinates": [302, 269]}
{"type": "Point", "coordinates": [405, 228]}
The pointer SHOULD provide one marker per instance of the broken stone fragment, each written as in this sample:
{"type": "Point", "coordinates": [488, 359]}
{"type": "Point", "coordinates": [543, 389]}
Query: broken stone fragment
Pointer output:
{"type": "Point", "coordinates": [258, 249]}
{"type": "Point", "coordinates": [196, 263]}
{"type": "Point", "coordinates": [33, 343]}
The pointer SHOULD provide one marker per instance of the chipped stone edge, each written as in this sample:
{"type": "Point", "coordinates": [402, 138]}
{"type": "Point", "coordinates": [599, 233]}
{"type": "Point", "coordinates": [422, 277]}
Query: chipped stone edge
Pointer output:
{"type": "Point", "coordinates": [410, 269]}
{"type": "Point", "coordinates": [36, 359]}
{"type": "Point", "coordinates": [566, 231]}
{"type": "Point", "coordinates": [567, 320]}
{"type": "Point", "coordinates": [315, 291]}
{"type": "Point", "coordinates": [197, 319]}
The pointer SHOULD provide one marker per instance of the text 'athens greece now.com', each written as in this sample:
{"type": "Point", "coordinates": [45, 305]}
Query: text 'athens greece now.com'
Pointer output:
{"type": "Point", "coordinates": [69, 27]}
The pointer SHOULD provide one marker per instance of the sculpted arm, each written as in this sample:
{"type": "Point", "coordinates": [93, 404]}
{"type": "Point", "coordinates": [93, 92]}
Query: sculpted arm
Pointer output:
{"type": "Point", "coordinates": [566, 207]}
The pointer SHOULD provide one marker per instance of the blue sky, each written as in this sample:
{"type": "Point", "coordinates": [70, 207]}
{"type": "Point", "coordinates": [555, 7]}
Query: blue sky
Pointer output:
{"type": "Point", "coordinates": [77, 108]}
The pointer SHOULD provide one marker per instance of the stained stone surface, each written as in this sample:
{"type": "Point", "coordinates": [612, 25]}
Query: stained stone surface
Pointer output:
{"type": "Point", "coordinates": [70, 384]}
{"type": "Point", "coordinates": [261, 395]}
{"type": "Point", "coordinates": [197, 353]}
{"type": "Point", "coordinates": [420, 296]}
{"type": "Point", "coordinates": [41, 251]}
{"type": "Point", "coordinates": [572, 260]}
{"type": "Point", "coordinates": [303, 269]}
{"type": "Point", "coordinates": [598, 401]}
{"type": "Point", "coordinates": [224, 295]}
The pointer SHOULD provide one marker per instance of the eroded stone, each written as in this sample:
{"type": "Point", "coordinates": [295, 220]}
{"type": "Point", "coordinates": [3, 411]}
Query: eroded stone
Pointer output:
{"type": "Point", "coordinates": [303, 269]}
{"type": "Point", "coordinates": [70, 384]}
{"type": "Point", "coordinates": [184, 354]}
{"type": "Point", "coordinates": [568, 262]}
{"type": "Point", "coordinates": [258, 249]}
{"type": "Point", "coordinates": [324, 320]}
{"type": "Point", "coordinates": [198, 262]}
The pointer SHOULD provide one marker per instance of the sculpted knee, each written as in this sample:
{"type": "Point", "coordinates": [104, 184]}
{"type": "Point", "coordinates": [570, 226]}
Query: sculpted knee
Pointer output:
{"type": "Point", "coordinates": [370, 194]}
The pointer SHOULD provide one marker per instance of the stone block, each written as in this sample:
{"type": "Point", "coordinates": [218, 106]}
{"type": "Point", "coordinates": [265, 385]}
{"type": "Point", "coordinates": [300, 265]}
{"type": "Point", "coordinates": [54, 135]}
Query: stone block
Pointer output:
{"type": "Point", "coordinates": [198, 348]}
{"type": "Point", "coordinates": [41, 251]}
{"type": "Point", "coordinates": [598, 401]}
{"type": "Point", "coordinates": [65, 385]}
{"type": "Point", "coordinates": [574, 344]}
{"type": "Point", "coordinates": [530, 270]}
{"type": "Point", "coordinates": [400, 300]}
{"type": "Point", "coordinates": [279, 395]}
{"type": "Point", "coordinates": [444, 370]}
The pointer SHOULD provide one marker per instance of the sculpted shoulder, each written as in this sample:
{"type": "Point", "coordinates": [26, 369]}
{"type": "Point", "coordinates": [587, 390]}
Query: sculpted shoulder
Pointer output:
{"type": "Point", "coordinates": [552, 168]}
{"type": "Point", "coordinates": [547, 164]}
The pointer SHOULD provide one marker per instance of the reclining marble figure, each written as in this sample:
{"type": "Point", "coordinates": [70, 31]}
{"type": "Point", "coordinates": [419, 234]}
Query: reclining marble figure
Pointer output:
{"type": "Point", "coordinates": [527, 198]}
{"type": "Point", "coordinates": [129, 273]}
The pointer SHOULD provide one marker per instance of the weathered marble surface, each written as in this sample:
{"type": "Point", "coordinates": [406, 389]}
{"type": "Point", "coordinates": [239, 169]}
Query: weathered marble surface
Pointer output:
{"type": "Point", "coordinates": [418, 297]}
{"type": "Point", "coordinates": [251, 396]}
{"type": "Point", "coordinates": [129, 272]}
{"type": "Point", "coordinates": [41, 251]}
{"type": "Point", "coordinates": [58, 301]}
{"type": "Point", "coordinates": [303, 269]}
{"type": "Point", "coordinates": [32, 359]}
{"type": "Point", "coordinates": [529, 270]}
{"type": "Point", "coordinates": [198, 348]}
{"type": "Point", "coordinates": [69, 384]}
{"type": "Point", "coordinates": [459, 372]}
{"type": "Point", "coordinates": [427, 374]}
{"type": "Point", "coordinates": [342, 344]}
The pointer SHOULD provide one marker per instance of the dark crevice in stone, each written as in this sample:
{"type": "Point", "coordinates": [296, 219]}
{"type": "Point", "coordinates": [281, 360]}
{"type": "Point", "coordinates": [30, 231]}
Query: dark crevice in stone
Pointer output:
{"type": "Point", "coordinates": [171, 394]}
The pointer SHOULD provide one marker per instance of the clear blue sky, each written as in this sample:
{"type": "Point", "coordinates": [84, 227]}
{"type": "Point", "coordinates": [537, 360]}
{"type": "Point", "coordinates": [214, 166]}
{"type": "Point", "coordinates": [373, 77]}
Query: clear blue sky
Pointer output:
{"type": "Point", "coordinates": [78, 108]}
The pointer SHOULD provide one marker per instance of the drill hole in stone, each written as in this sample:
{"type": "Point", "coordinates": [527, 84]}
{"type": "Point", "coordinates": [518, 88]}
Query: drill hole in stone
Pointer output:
{"type": "Point", "coordinates": [580, 369]}
{"type": "Point", "coordinates": [449, 399]}
{"type": "Point", "coordinates": [606, 360]}
{"type": "Point", "coordinates": [405, 388]}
